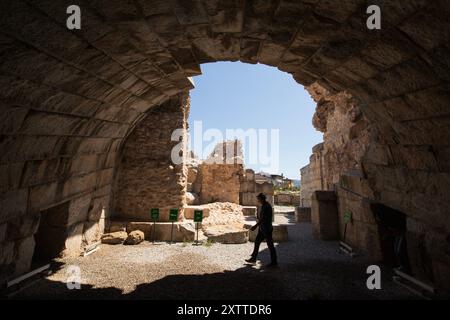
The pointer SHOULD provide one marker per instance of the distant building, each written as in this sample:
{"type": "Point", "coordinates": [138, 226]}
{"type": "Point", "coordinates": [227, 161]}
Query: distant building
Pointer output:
{"type": "Point", "coordinates": [279, 181]}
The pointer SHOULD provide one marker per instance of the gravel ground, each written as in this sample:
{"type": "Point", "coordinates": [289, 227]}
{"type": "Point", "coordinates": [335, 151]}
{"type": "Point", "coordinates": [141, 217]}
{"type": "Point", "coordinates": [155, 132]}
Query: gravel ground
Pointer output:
{"type": "Point", "coordinates": [309, 269]}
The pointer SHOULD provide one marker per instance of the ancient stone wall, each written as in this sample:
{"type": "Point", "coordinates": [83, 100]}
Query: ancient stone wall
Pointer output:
{"type": "Point", "coordinates": [364, 168]}
{"type": "Point", "coordinates": [312, 178]}
{"type": "Point", "coordinates": [146, 176]}
{"type": "Point", "coordinates": [220, 182]}
{"type": "Point", "coordinates": [217, 178]}
{"type": "Point", "coordinates": [287, 199]}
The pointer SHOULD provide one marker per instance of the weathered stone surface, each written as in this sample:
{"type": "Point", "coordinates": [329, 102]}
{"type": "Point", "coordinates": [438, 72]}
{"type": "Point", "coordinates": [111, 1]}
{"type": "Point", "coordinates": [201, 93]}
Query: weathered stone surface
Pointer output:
{"type": "Point", "coordinates": [189, 211]}
{"type": "Point", "coordinates": [22, 227]}
{"type": "Point", "coordinates": [182, 231]}
{"type": "Point", "coordinates": [6, 253]}
{"type": "Point", "coordinates": [280, 232]}
{"type": "Point", "coordinates": [324, 215]}
{"type": "Point", "coordinates": [287, 198]}
{"type": "Point", "coordinates": [226, 234]}
{"type": "Point", "coordinates": [24, 255]}
{"type": "Point", "coordinates": [302, 214]}
{"type": "Point", "coordinates": [147, 166]}
{"type": "Point", "coordinates": [99, 208]}
{"type": "Point", "coordinates": [74, 240]}
{"type": "Point", "coordinates": [135, 237]}
{"type": "Point", "coordinates": [192, 198]}
{"type": "Point", "coordinates": [115, 226]}
{"type": "Point", "coordinates": [3, 228]}
{"type": "Point", "coordinates": [117, 237]}
{"type": "Point", "coordinates": [91, 232]}
{"type": "Point", "coordinates": [13, 204]}
{"type": "Point", "coordinates": [249, 211]}
{"type": "Point", "coordinates": [248, 199]}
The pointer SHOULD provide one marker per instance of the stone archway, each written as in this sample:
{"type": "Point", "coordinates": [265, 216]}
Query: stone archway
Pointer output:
{"type": "Point", "coordinates": [69, 98]}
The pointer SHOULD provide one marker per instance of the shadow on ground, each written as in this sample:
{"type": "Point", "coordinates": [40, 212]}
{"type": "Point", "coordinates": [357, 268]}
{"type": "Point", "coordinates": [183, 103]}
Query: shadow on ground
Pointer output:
{"type": "Point", "coordinates": [309, 270]}
{"type": "Point", "coordinates": [245, 283]}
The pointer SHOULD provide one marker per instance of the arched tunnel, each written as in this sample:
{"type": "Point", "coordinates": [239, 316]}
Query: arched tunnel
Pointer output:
{"type": "Point", "coordinates": [70, 99]}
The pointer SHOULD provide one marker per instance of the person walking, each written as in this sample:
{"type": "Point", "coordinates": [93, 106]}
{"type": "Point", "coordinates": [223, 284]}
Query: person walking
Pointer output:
{"type": "Point", "coordinates": [265, 231]}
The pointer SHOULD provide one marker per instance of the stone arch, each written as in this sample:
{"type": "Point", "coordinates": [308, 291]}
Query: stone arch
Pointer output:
{"type": "Point", "coordinates": [69, 98]}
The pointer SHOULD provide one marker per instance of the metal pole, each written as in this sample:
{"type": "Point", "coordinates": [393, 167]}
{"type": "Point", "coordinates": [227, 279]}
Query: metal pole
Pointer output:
{"type": "Point", "coordinates": [196, 227]}
{"type": "Point", "coordinates": [171, 234]}
{"type": "Point", "coordinates": [154, 230]}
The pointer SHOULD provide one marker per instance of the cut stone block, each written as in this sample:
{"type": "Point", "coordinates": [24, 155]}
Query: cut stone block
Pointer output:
{"type": "Point", "coordinates": [302, 214]}
{"type": "Point", "coordinates": [249, 211]}
{"type": "Point", "coordinates": [115, 226]}
{"type": "Point", "coordinates": [226, 234]}
{"type": "Point", "coordinates": [135, 237]}
{"type": "Point", "coordinates": [114, 237]}
{"type": "Point", "coordinates": [280, 232]}
{"type": "Point", "coordinates": [182, 231]}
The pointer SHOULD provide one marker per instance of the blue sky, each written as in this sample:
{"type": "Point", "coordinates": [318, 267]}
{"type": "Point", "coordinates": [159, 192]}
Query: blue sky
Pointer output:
{"type": "Point", "coordinates": [234, 95]}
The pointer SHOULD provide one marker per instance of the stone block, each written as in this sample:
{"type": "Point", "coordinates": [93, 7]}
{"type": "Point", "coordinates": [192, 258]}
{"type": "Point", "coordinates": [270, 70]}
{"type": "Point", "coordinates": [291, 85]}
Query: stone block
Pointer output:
{"type": "Point", "coordinates": [115, 226]}
{"type": "Point", "coordinates": [6, 253]}
{"type": "Point", "coordinates": [192, 198]}
{"type": "Point", "coordinates": [3, 228]}
{"type": "Point", "coordinates": [99, 209]}
{"type": "Point", "coordinates": [248, 186]}
{"type": "Point", "coordinates": [248, 199]}
{"type": "Point", "coordinates": [91, 232]}
{"type": "Point", "coordinates": [249, 175]}
{"type": "Point", "coordinates": [249, 211]}
{"type": "Point", "coordinates": [13, 204]}
{"type": "Point", "coordinates": [182, 231]}
{"type": "Point", "coordinates": [266, 187]}
{"type": "Point", "coordinates": [135, 237]}
{"type": "Point", "coordinates": [117, 237]}
{"type": "Point", "coordinates": [280, 232]}
{"type": "Point", "coordinates": [22, 227]}
{"type": "Point", "coordinates": [302, 214]}
{"type": "Point", "coordinates": [74, 240]}
{"type": "Point", "coordinates": [226, 234]}
{"type": "Point", "coordinates": [78, 209]}
{"type": "Point", "coordinates": [24, 255]}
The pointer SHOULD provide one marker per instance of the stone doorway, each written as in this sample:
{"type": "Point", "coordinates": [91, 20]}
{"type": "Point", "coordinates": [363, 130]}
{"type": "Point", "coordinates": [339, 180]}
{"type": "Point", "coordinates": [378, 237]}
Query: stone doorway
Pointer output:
{"type": "Point", "coordinates": [392, 236]}
{"type": "Point", "coordinates": [53, 236]}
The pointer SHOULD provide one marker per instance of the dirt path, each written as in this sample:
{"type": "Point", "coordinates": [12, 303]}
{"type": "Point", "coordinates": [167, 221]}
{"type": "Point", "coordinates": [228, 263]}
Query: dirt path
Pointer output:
{"type": "Point", "coordinates": [309, 269]}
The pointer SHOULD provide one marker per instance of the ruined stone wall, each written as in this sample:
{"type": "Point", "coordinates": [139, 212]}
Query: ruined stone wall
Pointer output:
{"type": "Point", "coordinates": [365, 164]}
{"type": "Point", "coordinates": [287, 199]}
{"type": "Point", "coordinates": [146, 177]}
{"type": "Point", "coordinates": [217, 178]}
{"type": "Point", "coordinates": [220, 182]}
{"type": "Point", "coordinates": [248, 193]}
{"type": "Point", "coordinates": [312, 176]}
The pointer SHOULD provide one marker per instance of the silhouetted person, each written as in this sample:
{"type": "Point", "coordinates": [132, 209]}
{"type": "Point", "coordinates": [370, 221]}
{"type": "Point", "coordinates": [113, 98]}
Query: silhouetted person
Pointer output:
{"type": "Point", "coordinates": [265, 231]}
